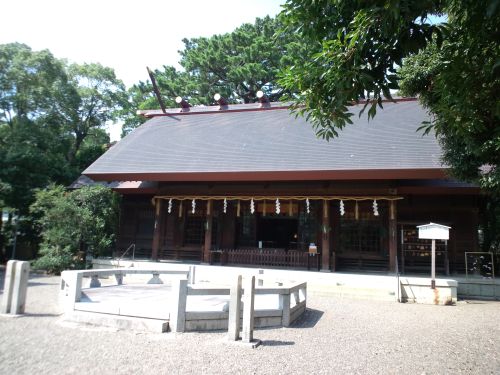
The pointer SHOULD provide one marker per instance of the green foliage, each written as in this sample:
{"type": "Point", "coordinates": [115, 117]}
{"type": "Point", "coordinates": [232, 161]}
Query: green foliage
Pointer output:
{"type": "Point", "coordinates": [100, 97]}
{"type": "Point", "coordinates": [357, 48]}
{"type": "Point", "coordinates": [29, 81]}
{"type": "Point", "coordinates": [52, 119]}
{"type": "Point", "coordinates": [366, 49]}
{"type": "Point", "coordinates": [459, 83]}
{"type": "Point", "coordinates": [74, 223]}
{"type": "Point", "coordinates": [235, 65]}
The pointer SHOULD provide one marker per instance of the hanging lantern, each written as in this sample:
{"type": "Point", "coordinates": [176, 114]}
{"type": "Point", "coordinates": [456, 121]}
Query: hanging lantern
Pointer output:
{"type": "Point", "coordinates": [278, 206]}
{"type": "Point", "coordinates": [225, 206]}
{"type": "Point", "coordinates": [375, 207]}
{"type": "Point", "coordinates": [342, 209]}
{"type": "Point", "coordinates": [193, 206]}
{"type": "Point", "coordinates": [307, 206]}
{"type": "Point", "coordinates": [252, 206]}
{"type": "Point", "coordinates": [169, 209]}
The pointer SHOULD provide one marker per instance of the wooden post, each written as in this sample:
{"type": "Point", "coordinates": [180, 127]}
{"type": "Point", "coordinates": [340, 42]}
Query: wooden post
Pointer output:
{"type": "Point", "coordinates": [393, 244]}
{"type": "Point", "coordinates": [208, 233]}
{"type": "Point", "coordinates": [157, 231]}
{"type": "Point", "coordinates": [325, 236]}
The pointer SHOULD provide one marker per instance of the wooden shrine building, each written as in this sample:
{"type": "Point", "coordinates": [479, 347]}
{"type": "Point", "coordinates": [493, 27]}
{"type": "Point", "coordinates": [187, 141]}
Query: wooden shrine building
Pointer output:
{"type": "Point", "coordinates": [252, 184]}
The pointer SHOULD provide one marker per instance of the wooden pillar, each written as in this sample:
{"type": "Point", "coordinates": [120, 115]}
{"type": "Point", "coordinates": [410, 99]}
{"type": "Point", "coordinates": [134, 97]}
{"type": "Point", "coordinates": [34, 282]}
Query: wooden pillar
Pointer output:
{"type": "Point", "coordinates": [335, 220]}
{"type": "Point", "coordinates": [158, 229]}
{"type": "Point", "coordinates": [208, 233]}
{"type": "Point", "coordinates": [393, 238]}
{"type": "Point", "coordinates": [325, 238]}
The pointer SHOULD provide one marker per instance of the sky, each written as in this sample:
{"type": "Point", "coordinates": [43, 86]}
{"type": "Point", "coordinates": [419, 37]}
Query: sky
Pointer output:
{"type": "Point", "coordinates": [123, 34]}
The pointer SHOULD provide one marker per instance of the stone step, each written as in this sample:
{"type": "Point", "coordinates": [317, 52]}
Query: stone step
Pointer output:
{"type": "Point", "coordinates": [353, 292]}
{"type": "Point", "coordinates": [118, 321]}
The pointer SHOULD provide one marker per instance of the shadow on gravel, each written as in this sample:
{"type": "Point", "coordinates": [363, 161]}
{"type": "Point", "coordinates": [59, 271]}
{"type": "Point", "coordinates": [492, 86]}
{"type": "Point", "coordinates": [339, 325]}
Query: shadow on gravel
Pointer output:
{"type": "Point", "coordinates": [42, 315]}
{"type": "Point", "coordinates": [277, 343]}
{"type": "Point", "coordinates": [36, 283]}
{"type": "Point", "coordinates": [309, 319]}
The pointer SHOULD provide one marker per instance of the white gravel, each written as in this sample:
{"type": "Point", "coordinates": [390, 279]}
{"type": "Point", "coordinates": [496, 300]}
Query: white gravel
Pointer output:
{"type": "Point", "coordinates": [335, 336]}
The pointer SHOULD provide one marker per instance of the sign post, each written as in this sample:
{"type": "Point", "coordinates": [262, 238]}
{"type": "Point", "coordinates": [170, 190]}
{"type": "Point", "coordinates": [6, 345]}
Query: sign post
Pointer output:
{"type": "Point", "coordinates": [433, 231]}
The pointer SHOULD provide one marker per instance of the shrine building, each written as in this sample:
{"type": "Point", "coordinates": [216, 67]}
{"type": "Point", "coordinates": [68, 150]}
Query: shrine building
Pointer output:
{"type": "Point", "coordinates": [251, 184]}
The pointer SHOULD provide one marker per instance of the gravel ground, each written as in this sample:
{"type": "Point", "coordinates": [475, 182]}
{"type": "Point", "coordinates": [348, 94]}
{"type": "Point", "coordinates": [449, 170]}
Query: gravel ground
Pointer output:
{"type": "Point", "coordinates": [334, 336]}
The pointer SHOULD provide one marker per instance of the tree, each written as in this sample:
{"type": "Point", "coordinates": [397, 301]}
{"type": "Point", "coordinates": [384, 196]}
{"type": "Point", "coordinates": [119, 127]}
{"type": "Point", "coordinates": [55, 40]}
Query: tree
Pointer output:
{"type": "Point", "coordinates": [29, 82]}
{"type": "Point", "coordinates": [360, 47]}
{"type": "Point", "coordinates": [235, 65]}
{"type": "Point", "coordinates": [52, 119]}
{"type": "Point", "coordinates": [73, 224]}
{"type": "Point", "coordinates": [99, 98]}
{"type": "Point", "coordinates": [32, 139]}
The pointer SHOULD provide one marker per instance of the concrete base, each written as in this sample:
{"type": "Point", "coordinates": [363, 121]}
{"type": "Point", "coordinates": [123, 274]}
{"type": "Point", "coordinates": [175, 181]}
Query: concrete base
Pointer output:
{"type": "Point", "coordinates": [118, 322]}
{"type": "Point", "coordinates": [11, 315]}
{"type": "Point", "coordinates": [418, 290]}
{"type": "Point", "coordinates": [252, 344]}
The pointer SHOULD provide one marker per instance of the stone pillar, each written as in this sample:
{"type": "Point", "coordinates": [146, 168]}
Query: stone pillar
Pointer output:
{"type": "Point", "coordinates": [393, 238]}
{"type": "Point", "coordinates": [248, 310]}
{"type": "Point", "coordinates": [157, 230]}
{"type": "Point", "coordinates": [15, 287]}
{"type": "Point", "coordinates": [192, 275]}
{"type": "Point", "coordinates": [71, 289]}
{"type": "Point", "coordinates": [208, 234]}
{"type": "Point", "coordinates": [325, 238]}
{"type": "Point", "coordinates": [177, 319]}
{"type": "Point", "coordinates": [8, 286]}
{"type": "Point", "coordinates": [18, 302]}
{"type": "Point", "coordinates": [284, 304]}
{"type": "Point", "coordinates": [235, 311]}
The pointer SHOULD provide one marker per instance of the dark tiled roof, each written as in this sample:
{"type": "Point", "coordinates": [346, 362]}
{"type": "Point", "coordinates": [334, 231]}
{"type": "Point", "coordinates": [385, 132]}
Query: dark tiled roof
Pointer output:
{"type": "Point", "coordinates": [272, 140]}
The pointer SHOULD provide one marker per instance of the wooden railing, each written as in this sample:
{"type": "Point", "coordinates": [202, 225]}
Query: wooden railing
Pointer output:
{"type": "Point", "coordinates": [266, 257]}
{"type": "Point", "coordinates": [180, 254]}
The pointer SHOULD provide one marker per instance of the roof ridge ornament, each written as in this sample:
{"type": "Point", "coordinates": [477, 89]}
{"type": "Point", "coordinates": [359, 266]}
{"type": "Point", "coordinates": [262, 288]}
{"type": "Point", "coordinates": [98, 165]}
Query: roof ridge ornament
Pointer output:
{"type": "Point", "coordinates": [263, 99]}
{"type": "Point", "coordinates": [223, 103]}
{"type": "Point", "coordinates": [183, 103]}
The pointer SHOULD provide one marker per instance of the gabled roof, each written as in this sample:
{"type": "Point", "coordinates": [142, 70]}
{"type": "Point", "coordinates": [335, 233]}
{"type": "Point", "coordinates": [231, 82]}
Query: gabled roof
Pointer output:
{"type": "Point", "coordinates": [253, 143]}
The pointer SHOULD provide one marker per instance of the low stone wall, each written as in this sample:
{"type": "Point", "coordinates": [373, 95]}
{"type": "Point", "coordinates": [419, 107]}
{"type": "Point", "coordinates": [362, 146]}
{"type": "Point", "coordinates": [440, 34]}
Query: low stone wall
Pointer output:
{"type": "Point", "coordinates": [479, 288]}
{"type": "Point", "coordinates": [418, 290]}
{"type": "Point", "coordinates": [292, 300]}
{"type": "Point", "coordinates": [292, 304]}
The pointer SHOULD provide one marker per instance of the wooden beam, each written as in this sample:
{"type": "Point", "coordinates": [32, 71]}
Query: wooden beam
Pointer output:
{"type": "Point", "coordinates": [156, 91]}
